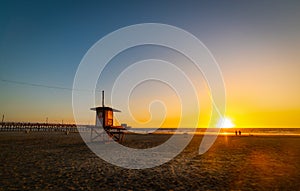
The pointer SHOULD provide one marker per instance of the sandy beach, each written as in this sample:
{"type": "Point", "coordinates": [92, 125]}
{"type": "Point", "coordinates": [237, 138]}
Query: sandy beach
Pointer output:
{"type": "Point", "coordinates": [42, 161]}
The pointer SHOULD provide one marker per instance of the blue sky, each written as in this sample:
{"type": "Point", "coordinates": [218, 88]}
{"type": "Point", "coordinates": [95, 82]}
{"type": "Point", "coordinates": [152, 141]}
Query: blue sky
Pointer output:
{"type": "Point", "coordinates": [43, 42]}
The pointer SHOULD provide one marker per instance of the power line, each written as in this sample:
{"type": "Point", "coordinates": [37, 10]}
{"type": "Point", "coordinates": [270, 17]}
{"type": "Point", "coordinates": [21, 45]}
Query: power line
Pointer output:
{"type": "Point", "coordinates": [35, 85]}
{"type": "Point", "coordinates": [42, 85]}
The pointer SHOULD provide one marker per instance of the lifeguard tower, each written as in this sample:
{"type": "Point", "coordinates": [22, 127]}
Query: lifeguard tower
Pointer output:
{"type": "Point", "coordinates": [104, 118]}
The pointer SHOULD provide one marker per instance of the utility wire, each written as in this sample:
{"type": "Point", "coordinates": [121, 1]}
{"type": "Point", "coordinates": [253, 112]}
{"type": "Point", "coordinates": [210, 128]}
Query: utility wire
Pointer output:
{"type": "Point", "coordinates": [43, 85]}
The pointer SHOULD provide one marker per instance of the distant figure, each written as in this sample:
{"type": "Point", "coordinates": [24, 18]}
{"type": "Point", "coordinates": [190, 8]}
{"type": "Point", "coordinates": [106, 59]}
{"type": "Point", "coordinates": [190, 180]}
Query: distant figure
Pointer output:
{"type": "Point", "coordinates": [235, 132]}
{"type": "Point", "coordinates": [240, 133]}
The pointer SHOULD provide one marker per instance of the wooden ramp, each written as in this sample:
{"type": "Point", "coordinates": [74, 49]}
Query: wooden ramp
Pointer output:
{"type": "Point", "coordinates": [113, 133]}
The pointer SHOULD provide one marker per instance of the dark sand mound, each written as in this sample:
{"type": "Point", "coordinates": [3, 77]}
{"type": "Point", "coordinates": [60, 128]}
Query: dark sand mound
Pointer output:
{"type": "Point", "coordinates": [59, 161]}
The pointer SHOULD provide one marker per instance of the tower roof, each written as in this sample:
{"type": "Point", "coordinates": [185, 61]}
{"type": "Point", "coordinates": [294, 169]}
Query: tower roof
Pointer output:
{"type": "Point", "coordinates": [104, 108]}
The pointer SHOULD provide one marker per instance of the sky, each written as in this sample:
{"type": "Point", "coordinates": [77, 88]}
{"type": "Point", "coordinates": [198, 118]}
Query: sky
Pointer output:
{"type": "Point", "coordinates": [255, 43]}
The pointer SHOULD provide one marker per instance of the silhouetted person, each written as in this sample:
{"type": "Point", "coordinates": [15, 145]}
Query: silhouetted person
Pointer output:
{"type": "Point", "coordinates": [235, 132]}
{"type": "Point", "coordinates": [240, 133]}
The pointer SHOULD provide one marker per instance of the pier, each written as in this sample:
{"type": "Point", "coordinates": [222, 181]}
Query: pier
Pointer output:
{"type": "Point", "coordinates": [28, 127]}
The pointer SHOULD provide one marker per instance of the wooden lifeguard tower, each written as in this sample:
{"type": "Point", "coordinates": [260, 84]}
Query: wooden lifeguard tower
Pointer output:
{"type": "Point", "coordinates": [104, 118]}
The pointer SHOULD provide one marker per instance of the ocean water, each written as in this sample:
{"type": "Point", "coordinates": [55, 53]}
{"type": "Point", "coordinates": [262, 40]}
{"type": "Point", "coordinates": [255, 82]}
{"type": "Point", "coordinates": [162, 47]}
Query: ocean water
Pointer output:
{"type": "Point", "coordinates": [222, 131]}
{"type": "Point", "coordinates": [264, 131]}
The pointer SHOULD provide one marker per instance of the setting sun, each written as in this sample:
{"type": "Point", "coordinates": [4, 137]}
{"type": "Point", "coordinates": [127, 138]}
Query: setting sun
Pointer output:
{"type": "Point", "coordinates": [226, 123]}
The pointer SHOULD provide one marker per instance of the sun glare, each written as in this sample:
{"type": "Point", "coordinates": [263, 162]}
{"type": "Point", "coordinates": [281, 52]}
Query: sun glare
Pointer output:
{"type": "Point", "coordinates": [226, 123]}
